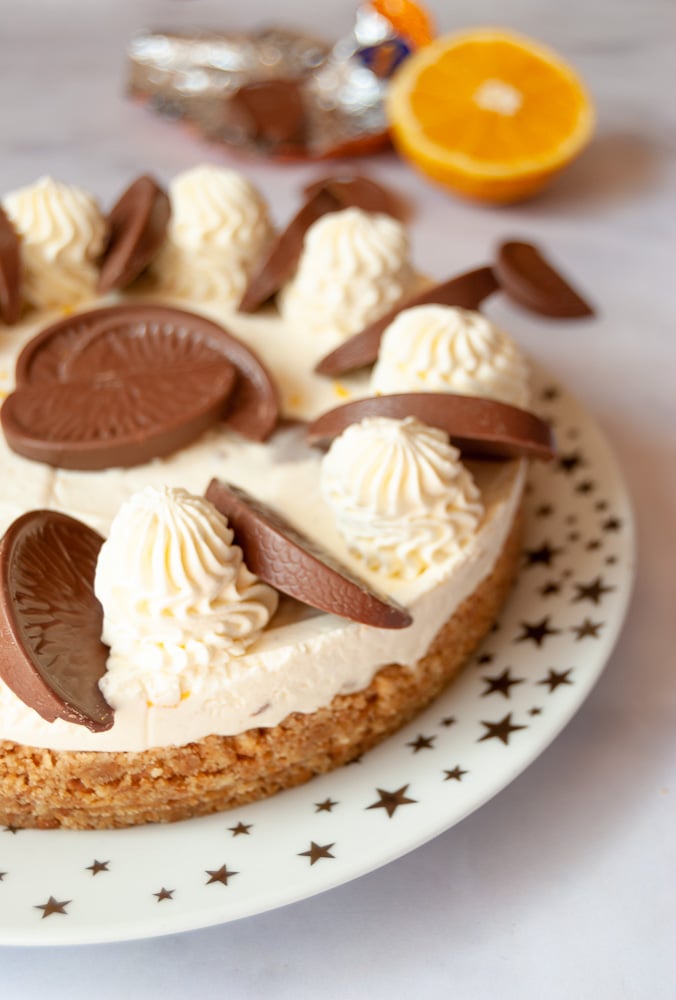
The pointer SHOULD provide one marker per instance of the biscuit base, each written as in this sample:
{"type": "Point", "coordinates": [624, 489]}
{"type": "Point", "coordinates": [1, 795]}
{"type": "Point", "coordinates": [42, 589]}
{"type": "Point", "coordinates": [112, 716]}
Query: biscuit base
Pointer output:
{"type": "Point", "coordinates": [85, 790]}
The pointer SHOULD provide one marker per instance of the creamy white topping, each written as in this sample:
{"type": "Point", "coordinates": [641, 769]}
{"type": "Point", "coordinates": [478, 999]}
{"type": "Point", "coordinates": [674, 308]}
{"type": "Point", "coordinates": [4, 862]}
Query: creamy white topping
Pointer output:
{"type": "Point", "coordinates": [218, 231]}
{"type": "Point", "coordinates": [402, 499]}
{"type": "Point", "coordinates": [436, 348]}
{"type": "Point", "coordinates": [177, 599]}
{"type": "Point", "coordinates": [62, 236]}
{"type": "Point", "coordinates": [354, 267]}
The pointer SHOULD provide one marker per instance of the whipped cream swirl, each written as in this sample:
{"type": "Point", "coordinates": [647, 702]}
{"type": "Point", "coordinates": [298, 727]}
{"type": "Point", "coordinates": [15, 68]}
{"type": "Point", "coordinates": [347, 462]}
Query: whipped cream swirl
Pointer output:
{"type": "Point", "coordinates": [177, 599]}
{"type": "Point", "coordinates": [403, 501]}
{"type": "Point", "coordinates": [434, 348]}
{"type": "Point", "coordinates": [219, 229]}
{"type": "Point", "coordinates": [63, 234]}
{"type": "Point", "coordinates": [354, 267]}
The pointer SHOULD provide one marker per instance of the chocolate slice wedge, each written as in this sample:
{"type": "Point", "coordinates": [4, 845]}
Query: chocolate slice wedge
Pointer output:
{"type": "Point", "coordinates": [10, 271]}
{"type": "Point", "coordinates": [51, 654]}
{"type": "Point", "coordinates": [281, 262]}
{"type": "Point", "coordinates": [137, 227]}
{"type": "Point", "coordinates": [479, 427]}
{"type": "Point", "coordinates": [467, 291]}
{"type": "Point", "coordinates": [357, 191]}
{"type": "Point", "coordinates": [284, 557]}
{"type": "Point", "coordinates": [532, 282]}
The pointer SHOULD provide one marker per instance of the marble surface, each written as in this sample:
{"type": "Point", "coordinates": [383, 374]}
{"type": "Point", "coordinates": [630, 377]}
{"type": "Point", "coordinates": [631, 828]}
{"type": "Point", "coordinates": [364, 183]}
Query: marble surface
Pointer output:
{"type": "Point", "coordinates": [563, 885]}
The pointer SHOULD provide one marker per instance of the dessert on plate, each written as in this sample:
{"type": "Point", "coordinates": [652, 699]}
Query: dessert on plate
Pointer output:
{"type": "Point", "coordinates": [223, 572]}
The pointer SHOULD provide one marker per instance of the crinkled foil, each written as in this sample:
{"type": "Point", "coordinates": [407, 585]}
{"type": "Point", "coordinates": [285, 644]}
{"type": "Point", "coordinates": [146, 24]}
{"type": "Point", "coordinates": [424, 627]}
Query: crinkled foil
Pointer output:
{"type": "Point", "coordinates": [193, 77]}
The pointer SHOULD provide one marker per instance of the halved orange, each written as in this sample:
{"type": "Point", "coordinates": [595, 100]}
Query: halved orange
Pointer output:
{"type": "Point", "coordinates": [489, 113]}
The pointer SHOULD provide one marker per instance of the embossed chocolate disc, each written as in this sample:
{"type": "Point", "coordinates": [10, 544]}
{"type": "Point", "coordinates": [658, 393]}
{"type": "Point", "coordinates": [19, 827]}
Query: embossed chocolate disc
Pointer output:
{"type": "Point", "coordinates": [287, 559]}
{"type": "Point", "coordinates": [466, 291]}
{"type": "Point", "coordinates": [120, 386]}
{"type": "Point", "coordinates": [51, 654]}
{"type": "Point", "coordinates": [10, 271]}
{"type": "Point", "coordinates": [137, 226]}
{"type": "Point", "coordinates": [477, 426]}
{"type": "Point", "coordinates": [116, 388]}
{"type": "Point", "coordinates": [531, 281]}
{"type": "Point", "coordinates": [278, 267]}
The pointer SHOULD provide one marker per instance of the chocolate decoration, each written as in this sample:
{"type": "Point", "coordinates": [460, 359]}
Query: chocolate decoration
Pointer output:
{"type": "Point", "coordinates": [531, 281]}
{"type": "Point", "coordinates": [281, 262]}
{"type": "Point", "coordinates": [51, 654]}
{"type": "Point", "coordinates": [270, 111]}
{"type": "Point", "coordinates": [137, 226]}
{"type": "Point", "coordinates": [123, 385]}
{"type": "Point", "coordinates": [467, 291]}
{"type": "Point", "coordinates": [479, 427]}
{"type": "Point", "coordinates": [253, 407]}
{"type": "Point", "coordinates": [356, 191]}
{"type": "Point", "coordinates": [10, 271]}
{"type": "Point", "coordinates": [290, 561]}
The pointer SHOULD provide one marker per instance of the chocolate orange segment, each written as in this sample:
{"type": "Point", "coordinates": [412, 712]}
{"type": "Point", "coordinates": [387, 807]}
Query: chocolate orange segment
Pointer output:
{"type": "Point", "coordinates": [51, 654]}
{"type": "Point", "coordinates": [477, 426]}
{"type": "Point", "coordinates": [532, 282]}
{"type": "Point", "coordinates": [466, 291]}
{"type": "Point", "coordinates": [10, 271]}
{"type": "Point", "coordinates": [284, 557]}
{"type": "Point", "coordinates": [357, 191]}
{"type": "Point", "coordinates": [137, 226]}
{"type": "Point", "coordinates": [123, 385]}
{"type": "Point", "coordinates": [279, 266]}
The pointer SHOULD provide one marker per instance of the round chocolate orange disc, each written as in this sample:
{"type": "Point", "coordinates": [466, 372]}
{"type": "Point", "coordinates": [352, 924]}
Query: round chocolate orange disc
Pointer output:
{"type": "Point", "coordinates": [120, 386]}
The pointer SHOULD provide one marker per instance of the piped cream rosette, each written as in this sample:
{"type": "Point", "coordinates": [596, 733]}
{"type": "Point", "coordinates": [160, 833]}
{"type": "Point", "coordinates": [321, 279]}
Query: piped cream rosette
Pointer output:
{"type": "Point", "coordinates": [63, 233]}
{"type": "Point", "coordinates": [353, 268]}
{"type": "Point", "coordinates": [218, 231]}
{"type": "Point", "coordinates": [435, 348]}
{"type": "Point", "coordinates": [402, 499]}
{"type": "Point", "coordinates": [177, 599]}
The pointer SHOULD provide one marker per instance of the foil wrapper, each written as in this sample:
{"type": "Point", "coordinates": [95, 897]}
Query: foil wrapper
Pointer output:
{"type": "Point", "coordinates": [272, 92]}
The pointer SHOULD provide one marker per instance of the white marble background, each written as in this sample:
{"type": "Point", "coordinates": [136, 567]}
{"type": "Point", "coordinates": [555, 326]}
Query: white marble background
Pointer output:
{"type": "Point", "coordinates": [565, 884]}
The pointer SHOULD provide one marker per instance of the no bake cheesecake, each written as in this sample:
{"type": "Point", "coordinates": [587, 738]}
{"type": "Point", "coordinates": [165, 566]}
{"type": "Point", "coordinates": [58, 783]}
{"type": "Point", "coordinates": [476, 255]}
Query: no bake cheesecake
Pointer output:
{"type": "Point", "coordinates": [231, 662]}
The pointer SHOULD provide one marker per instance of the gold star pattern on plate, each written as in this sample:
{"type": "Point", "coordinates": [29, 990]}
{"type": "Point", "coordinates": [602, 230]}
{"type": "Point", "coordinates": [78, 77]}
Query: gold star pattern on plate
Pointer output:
{"type": "Point", "coordinates": [501, 730]}
{"type": "Point", "coordinates": [220, 875]}
{"type": "Point", "coordinates": [501, 684]}
{"type": "Point", "coordinates": [537, 632]}
{"type": "Point", "coordinates": [164, 894]}
{"type": "Point", "coordinates": [586, 486]}
{"type": "Point", "coordinates": [326, 806]}
{"type": "Point", "coordinates": [555, 679]}
{"type": "Point", "coordinates": [544, 510]}
{"type": "Point", "coordinates": [242, 829]}
{"type": "Point", "coordinates": [570, 462]}
{"type": "Point", "coordinates": [587, 630]}
{"type": "Point", "coordinates": [316, 852]}
{"type": "Point", "coordinates": [612, 524]}
{"type": "Point", "coordinates": [390, 801]}
{"type": "Point", "coordinates": [455, 774]}
{"type": "Point", "coordinates": [593, 591]}
{"type": "Point", "coordinates": [422, 743]}
{"type": "Point", "coordinates": [53, 906]}
{"type": "Point", "coordinates": [550, 588]}
{"type": "Point", "coordinates": [98, 866]}
{"type": "Point", "coordinates": [541, 556]}
{"type": "Point", "coordinates": [448, 720]}
{"type": "Point", "coordinates": [535, 711]}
